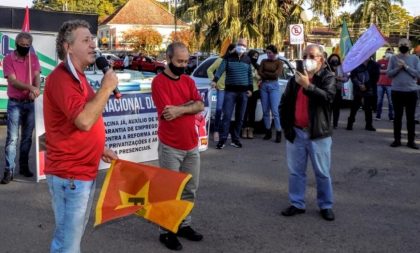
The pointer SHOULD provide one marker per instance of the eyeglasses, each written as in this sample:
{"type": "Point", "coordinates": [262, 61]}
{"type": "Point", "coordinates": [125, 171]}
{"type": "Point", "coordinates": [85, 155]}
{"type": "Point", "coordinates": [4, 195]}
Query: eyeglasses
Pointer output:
{"type": "Point", "coordinates": [310, 56]}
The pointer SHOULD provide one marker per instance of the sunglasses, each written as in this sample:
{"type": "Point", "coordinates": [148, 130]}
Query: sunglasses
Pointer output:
{"type": "Point", "coordinates": [310, 56]}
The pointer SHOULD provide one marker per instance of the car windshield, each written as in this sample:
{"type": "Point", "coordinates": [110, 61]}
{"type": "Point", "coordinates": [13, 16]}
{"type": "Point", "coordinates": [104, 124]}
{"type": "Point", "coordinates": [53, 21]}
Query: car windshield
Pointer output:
{"type": "Point", "coordinates": [201, 70]}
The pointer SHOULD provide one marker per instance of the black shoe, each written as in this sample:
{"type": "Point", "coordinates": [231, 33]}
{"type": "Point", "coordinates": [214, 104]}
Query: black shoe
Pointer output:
{"type": "Point", "coordinates": [190, 234]}
{"type": "Point", "coordinates": [395, 144]}
{"type": "Point", "coordinates": [8, 176]}
{"type": "Point", "coordinates": [292, 210]}
{"type": "Point", "coordinates": [220, 145]}
{"type": "Point", "coordinates": [236, 144]}
{"type": "Point", "coordinates": [171, 241]}
{"type": "Point", "coordinates": [26, 173]}
{"type": "Point", "coordinates": [268, 134]}
{"type": "Point", "coordinates": [278, 137]}
{"type": "Point", "coordinates": [327, 214]}
{"type": "Point", "coordinates": [370, 128]}
{"type": "Point", "coordinates": [412, 145]}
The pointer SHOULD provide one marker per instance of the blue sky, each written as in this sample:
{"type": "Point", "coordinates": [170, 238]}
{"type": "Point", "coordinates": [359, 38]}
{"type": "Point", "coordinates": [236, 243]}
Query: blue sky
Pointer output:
{"type": "Point", "coordinates": [413, 6]}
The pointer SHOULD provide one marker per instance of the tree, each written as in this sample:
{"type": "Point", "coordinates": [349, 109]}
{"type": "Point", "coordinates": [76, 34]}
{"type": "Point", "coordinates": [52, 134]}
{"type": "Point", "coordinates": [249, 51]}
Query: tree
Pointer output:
{"type": "Point", "coordinates": [372, 12]}
{"type": "Point", "coordinates": [146, 40]}
{"type": "Point", "coordinates": [185, 36]}
{"type": "Point", "coordinates": [399, 20]}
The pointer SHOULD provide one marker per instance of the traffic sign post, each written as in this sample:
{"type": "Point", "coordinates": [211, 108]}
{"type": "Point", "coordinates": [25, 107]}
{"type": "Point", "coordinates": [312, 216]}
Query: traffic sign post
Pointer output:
{"type": "Point", "coordinates": [297, 37]}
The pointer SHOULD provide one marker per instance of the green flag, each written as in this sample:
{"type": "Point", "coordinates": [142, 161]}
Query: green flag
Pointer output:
{"type": "Point", "coordinates": [345, 41]}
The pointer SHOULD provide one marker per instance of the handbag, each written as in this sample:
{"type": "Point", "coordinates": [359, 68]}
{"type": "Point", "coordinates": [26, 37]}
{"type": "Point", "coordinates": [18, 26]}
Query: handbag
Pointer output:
{"type": "Point", "coordinates": [347, 90]}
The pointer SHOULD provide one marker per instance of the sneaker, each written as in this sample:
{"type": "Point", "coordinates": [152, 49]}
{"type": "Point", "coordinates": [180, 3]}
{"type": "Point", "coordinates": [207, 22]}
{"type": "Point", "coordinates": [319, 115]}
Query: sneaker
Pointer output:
{"type": "Point", "coordinates": [170, 241]}
{"type": "Point", "coordinates": [220, 145]}
{"type": "Point", "coordinates": [377, 118]}
{"type": "Point", "coordinates": [236, 144]}
{"type": "Point", "coordinates": [189, 234]}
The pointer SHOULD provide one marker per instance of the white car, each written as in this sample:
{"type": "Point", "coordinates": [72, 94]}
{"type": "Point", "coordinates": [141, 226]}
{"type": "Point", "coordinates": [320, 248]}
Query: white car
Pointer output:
{"type": "Point", "coordinates": [199, 75]}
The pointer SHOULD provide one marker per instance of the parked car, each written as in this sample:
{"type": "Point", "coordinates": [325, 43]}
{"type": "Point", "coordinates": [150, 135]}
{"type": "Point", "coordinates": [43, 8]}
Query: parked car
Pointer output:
{"type": "Point", "coordinates": [201, 79]}
{"type": "Point", "coordinates": [144, 63]}
{"type": "Point", "coordinates": [114, 61]}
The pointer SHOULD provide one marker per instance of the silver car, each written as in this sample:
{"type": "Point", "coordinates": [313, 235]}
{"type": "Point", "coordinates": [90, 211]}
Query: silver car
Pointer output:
{"type": "Point", "coordinates": [199, 75]}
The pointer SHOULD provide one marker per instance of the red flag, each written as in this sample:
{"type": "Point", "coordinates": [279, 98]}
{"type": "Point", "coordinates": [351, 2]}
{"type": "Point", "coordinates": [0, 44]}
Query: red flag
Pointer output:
{"type": "Point", "coordinates": [147, 191]}
{"type": "Point", "coordinates": [25, 26]}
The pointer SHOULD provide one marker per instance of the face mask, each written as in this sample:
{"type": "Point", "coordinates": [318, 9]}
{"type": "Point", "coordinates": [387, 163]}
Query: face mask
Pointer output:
{"type": "Point", "coordinates": [403, 49]}
{"type": "Point", "coordinates": [22, 51]}
{"type": "Point", "coordinates": [176, 70]}
{"type": "Point", "coordinates": [240, 49]}
{"type": "Point", "coordinates": [310, 65]}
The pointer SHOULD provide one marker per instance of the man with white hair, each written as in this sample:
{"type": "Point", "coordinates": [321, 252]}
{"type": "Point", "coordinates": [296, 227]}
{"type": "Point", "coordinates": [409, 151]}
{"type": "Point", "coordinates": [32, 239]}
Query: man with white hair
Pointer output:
{"type": "Point", "coordinates": [305, 110]}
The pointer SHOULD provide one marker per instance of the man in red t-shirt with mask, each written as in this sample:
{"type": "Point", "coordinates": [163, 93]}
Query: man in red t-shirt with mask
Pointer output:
{"type": "Point", "coordinates": [177, 102]}
{"type": "Point", "coordinates": [384, 86]}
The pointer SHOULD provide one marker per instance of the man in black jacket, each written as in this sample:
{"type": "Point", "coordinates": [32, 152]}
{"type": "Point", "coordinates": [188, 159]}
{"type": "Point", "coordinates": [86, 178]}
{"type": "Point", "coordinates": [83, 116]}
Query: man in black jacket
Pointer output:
{"type": "Point", "coordinates": [305, 112]}
{"type": "Point", "coordinates": [364, 78]}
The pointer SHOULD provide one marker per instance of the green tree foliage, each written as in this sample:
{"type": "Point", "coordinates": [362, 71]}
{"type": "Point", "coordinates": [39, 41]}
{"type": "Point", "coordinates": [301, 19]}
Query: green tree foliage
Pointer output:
{"type": "Point", "coordinates": [103, 8]}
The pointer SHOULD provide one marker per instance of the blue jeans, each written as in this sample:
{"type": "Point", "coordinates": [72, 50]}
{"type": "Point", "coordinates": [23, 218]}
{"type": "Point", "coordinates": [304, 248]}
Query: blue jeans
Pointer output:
{"type": "Point", "coordinates": [71, 211]}
{"type": "Point", "coordinates": [19, 114]}
{"type": "Point", "coordinates": [237, 101]}
{"type": "Point", "coordinates": [270, 100]}
{"type": "Point", "coordinates": [319, 151]}
{"type": "Point", "coordinates": [381, 91]}
{"type": "Point", "coordinates": [219, 107]}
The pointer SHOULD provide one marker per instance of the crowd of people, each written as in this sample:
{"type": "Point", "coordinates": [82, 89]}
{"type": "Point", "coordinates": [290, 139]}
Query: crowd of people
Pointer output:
{"type": "Point", "coordinates": [305, 114]}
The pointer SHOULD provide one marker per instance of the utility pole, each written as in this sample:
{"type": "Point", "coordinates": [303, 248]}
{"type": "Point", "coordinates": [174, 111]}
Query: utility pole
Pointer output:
{"type": "Point", "coordinates": [408, 30]}
{"type": "Point", "coordinates": [175, 1]}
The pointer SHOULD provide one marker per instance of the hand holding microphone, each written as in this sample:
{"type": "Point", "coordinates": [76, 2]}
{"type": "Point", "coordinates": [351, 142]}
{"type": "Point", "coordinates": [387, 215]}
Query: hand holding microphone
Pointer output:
{"type": "Point", "coordinates": [109, 76]}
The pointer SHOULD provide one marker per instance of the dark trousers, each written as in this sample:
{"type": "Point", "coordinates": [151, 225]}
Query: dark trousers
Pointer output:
{"type": "Point", "coordinates": [249, 118]}
{"type": "Point", "coordinates": [369, 105]}
{"type": "Point", "coordinates": [400, 100]}
{"type": "Point", "coordinates": [336, 107]}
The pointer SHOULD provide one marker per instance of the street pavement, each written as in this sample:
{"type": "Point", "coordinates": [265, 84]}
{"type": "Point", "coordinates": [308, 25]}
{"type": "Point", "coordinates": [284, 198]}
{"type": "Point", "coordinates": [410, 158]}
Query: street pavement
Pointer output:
{"type": "Point", "coordinates": [241, 195]}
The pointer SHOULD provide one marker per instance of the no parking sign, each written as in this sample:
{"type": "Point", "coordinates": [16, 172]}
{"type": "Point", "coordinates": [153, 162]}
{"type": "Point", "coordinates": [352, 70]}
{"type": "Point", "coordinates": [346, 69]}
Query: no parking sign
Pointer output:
{"type": "Point", "coordinates": [296, 34]}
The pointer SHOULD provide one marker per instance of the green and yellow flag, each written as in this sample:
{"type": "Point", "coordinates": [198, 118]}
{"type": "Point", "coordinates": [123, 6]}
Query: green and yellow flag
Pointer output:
{"type": "Point", "coordinates": [345, 41]}
{"type": "Point", "coordinates": [147, 191]}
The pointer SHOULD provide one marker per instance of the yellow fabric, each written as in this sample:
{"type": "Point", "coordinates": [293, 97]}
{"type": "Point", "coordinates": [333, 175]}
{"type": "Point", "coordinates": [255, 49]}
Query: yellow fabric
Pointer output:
{"type": "Point", "coordinates": [212, 70]}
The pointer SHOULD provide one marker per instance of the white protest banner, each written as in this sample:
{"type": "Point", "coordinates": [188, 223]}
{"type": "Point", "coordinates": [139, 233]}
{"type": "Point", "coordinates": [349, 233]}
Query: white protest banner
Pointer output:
{"type": "Point", "coordinates": [296, 34]}
{"type": "Point", "coordinates": [131, 125]}
{"type": "Point", "coordinates": [365, 46]}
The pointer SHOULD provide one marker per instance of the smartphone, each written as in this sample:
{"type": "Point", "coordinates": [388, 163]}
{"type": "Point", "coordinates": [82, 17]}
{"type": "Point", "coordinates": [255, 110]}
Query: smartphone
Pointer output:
{"type": "Point", "coordinates": [299, 66]}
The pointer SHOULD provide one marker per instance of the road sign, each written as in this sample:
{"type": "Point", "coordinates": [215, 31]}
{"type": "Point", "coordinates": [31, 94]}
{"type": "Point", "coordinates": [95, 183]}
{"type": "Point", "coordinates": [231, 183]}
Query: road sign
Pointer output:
{"type": "Point", "coordinates": [296, 34]}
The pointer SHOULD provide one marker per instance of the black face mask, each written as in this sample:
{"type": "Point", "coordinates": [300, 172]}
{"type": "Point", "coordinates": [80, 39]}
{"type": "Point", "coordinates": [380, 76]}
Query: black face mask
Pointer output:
{"type": "Point", "coordinates": [176, 70]}
{"type": "Point", "coordinates": [403, 49]}
{"type": "Point", "coordinates": [22, 51]}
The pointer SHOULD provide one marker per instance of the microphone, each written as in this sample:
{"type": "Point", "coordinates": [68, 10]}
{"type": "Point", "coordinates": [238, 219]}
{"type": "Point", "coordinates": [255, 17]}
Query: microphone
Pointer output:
{"type": "Point", "coordinates": [103, 65]}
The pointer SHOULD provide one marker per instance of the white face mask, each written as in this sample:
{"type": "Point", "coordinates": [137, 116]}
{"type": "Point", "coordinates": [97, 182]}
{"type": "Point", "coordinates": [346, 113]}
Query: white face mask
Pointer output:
{"type": "Point", "coordinates": [240, 49]}
{"type": "Point", "coordinates": [388, 55]}
{"type": "Point", "coordinates": [310, 65]}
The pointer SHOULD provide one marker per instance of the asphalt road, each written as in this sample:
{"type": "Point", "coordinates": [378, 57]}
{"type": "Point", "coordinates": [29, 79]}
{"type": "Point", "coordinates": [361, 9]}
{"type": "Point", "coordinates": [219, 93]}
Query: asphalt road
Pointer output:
{"type": "Point", "coordinates": [241, 194]}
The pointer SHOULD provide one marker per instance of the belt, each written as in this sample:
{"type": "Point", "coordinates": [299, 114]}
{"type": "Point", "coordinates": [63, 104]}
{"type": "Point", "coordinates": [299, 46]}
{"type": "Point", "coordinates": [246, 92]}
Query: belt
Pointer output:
{"type": "Point", "coordinates": [23, 101]}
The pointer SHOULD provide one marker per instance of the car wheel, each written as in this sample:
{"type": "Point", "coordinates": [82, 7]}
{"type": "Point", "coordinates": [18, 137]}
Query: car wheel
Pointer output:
{"type": "Point", "coordinates": [139, 68]}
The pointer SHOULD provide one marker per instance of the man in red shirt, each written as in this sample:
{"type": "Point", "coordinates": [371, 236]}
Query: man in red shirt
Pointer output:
{"type": "Point", "coordinates": [384, 86]}
{"type": "Point", "coordinates": [305, 112]}
{"type": "Point", "coordinates": [178, 101]}
{"type": "Point", "coordinates": [75, 133]}
{"type": "Point", "coordinates": [22, 70]}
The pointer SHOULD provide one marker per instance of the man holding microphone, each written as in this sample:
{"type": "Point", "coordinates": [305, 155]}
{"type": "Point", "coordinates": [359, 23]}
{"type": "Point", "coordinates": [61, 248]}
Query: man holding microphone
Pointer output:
{"type": "Point", "coordinates": [75, 133]}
